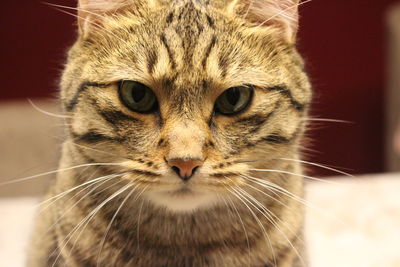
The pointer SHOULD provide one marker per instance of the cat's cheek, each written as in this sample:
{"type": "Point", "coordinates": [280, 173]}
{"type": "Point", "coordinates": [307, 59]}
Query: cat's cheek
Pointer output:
{"type": "Point", "coordinates": [182, 202]}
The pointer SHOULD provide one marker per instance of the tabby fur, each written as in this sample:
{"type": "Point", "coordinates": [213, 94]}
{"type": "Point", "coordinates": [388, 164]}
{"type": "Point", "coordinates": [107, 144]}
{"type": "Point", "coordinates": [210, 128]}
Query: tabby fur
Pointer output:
{"type": "Point", "coordinates": [188, 52]}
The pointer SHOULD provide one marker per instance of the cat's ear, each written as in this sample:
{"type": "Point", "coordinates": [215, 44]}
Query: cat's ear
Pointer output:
{"type": "Point", "coordinates": [282, 14]}
{"type": "Point", "coordinates": [91, 12]}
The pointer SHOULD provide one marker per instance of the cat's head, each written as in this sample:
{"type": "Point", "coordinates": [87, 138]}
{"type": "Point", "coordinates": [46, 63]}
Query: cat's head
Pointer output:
{"type": "Point", "coordinates": [186, 96]}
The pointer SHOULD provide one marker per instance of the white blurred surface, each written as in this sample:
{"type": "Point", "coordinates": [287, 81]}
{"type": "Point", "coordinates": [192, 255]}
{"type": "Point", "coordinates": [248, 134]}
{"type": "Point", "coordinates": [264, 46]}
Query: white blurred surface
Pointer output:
{"type": "Point", "coordinates": [354, 222]}
{"type": "Point", "coordinates": [362, 228]}
{"type": "Point", "coordinates": [16, 220]}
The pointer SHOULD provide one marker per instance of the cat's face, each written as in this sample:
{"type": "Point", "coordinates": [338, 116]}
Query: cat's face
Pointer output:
{"type": "Point", "coordinates": [185, 97]}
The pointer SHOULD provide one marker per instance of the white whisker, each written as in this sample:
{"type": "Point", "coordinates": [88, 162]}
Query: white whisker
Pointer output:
{"type": "Point", "coordinates": [248, 9]}
{"type": "Point", "coordinates": [86, 11]}
{"type": "Point", "coordinates": [317, 165]}
{"type": "Point", "coordinates": [268, 215]}
{"type": "Point", "coordinates": [82, 198]}
{"type": "Point", "coordinates": [258, 221]}
{"type": "Point", "coordinates": [89, 183]}
{"type": "Point", "coordinates": [295, 174]}
{"type": "Point", "coordinates": [46, 112]}
{"type": "Point", "coordinates": [110, 224]}
{"type": "Point", "coordinates": [56, 171]}
{"type": "Point", "coordinates": [267, 195]}
{"type": "Point", "coordinates": [138, 225]}
{"type": "Point", "coordinates": [327, 120]}
{"type": "Point", "coordinates": [271, 186]}
{"type": "Point", "coordinates": [93, 23]}
{"type": "Point", "coordinates": [275, 199]}
{"type": "Point", "coordinates": [86, 220]}
{"type": "Point", "coordinates": [244, 228]}
{"type": "Point", "coordinates": [96, 150]}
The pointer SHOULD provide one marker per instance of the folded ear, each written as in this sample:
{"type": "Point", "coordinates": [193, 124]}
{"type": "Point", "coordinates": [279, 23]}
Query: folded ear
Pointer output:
{"type": "Point", "coordinates": [282, 14]}
{"type": "Point", "coordinates": [90, 12]}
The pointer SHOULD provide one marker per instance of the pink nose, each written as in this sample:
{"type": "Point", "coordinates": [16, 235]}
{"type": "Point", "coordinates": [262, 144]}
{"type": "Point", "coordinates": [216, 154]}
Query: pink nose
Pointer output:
{"type": "Point", "coordinates": [184, 168]}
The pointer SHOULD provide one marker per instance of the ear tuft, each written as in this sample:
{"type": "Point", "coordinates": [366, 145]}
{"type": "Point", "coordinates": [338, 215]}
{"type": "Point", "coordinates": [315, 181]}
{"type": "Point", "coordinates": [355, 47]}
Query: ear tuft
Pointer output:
{"type": "Point", "coordinates": [90, 12]}
{"type": "Point", "coordinates": [282, 14]}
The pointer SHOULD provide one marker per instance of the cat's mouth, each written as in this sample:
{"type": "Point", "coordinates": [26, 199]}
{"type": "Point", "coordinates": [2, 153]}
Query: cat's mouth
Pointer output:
{"type": "Point", "coordinates": [183, 191]}
{"type": "Point", "coordinates": [182, 198]}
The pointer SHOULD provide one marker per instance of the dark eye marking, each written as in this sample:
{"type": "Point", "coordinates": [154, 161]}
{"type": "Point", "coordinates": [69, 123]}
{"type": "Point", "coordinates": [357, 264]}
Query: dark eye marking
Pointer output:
{"type": "Point", "coordinates": [252, 124]}
{"type": "Point", "coordinates": [115, 116]}
{"type": "Point", "coordinates": [75, 99]}
{"type": "Point", "coordinates": [276, 139]}
{"type": "Point", "coordinates": [94, 137]}
{"type": "Point", "coordinates": [287, 93]}
{"type": "Point", "coordinates": [255, 119]}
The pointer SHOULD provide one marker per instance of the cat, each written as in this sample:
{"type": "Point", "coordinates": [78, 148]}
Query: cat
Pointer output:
{"type": "Point", "coordinates": [184, 121]}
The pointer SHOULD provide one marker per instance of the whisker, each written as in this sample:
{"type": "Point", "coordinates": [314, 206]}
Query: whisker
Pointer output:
{"type": "Point", "coordinates": [86, 11]}
{"type": "Point", "coordinates": [266, 194]}
{"type": "Point", "coordinates": [97, 150]}
{"type": "Point", "coordinates": [86, 220]}
{"type": "Point", "coordinates": [91, 22]}
{"type": "Point", "coordinates": [273, 186]}
{"type": "Point", "coordinates": [229, 207]}
{"type": "Point", "coordinates": [301, 161]}
{"type": "Point", "coordinates": [276, 200]}
{"type": "Point", "coordinates": [268, 215]}
{"type": "Point", "coordinates": [88, 183]}
{"type": "Point", "coordinates": [296, 174]}
{"type": "Point", "coordinates": [74, 8]}
{"type": "Point", "coordinates": [76, 16]}
{"type": "Point", "coordinates": [46, 112]}
{"type": "Point", "coordinates": [248, 9]}
{"type": "Point", "coordinates": [244, 228]}
{"type": "Point", "coordinates": [83, 197]}
{"type": "Point", "coordinates": [138, 225]}
{"type": "Point", "coordinates": [318, 165]}
{"type": "Point", "coordinates": [111, 222]}
{"type": "Point", "coordinates": [327, 120]}
{"type": "Point", "coordinates": [56, 171]}
{"type": "Point", "coordinates": [84, 226]}
{"type": "Point", "coordinates": [257, 219]}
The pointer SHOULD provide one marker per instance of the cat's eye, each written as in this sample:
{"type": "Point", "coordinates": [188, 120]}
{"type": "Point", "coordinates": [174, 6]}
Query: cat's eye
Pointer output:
{"type": "Point", "coordinates": [234, 100]}
{"type": "Point", "coordinates": [137, 96]}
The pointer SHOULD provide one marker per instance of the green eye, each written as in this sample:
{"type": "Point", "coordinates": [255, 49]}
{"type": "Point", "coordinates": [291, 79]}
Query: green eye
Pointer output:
{"type": "Point", "coordinates": [137, 97]}
{"type": "Point", "coordinates": [234, 100]}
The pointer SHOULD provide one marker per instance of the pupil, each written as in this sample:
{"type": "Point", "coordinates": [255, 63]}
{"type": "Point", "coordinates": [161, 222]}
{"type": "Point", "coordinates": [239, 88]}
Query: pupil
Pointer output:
{"type": "Point", "coordinates": [233, 96]}
{"type": "Point", "coordinates": [138, 94]}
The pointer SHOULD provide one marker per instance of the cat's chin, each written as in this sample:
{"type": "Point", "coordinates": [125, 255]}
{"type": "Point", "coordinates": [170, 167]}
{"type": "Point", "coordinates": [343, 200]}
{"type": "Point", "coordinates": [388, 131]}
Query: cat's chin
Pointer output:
{"type": "Point", "coordinates": [183, 200]}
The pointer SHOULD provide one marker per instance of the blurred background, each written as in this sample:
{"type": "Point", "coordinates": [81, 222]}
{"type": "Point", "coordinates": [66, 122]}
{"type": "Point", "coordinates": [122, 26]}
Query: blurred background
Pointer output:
{"type": "Point", "coordinates": [352, 50]}
{"type": "Point", "coordinates": [347, 44]}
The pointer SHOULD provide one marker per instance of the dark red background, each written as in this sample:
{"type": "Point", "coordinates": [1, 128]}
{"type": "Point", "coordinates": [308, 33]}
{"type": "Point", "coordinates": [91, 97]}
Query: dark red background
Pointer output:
{"type": "Point", "coordinates": [343, 42]}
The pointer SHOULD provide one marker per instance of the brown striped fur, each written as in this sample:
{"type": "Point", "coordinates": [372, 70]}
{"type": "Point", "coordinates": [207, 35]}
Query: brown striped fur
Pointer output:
{"type": "Point", "coordinates": [188, 52]}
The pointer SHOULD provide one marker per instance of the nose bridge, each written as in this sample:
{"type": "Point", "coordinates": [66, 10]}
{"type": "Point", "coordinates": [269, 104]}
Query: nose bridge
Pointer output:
{"type": "Point", "coordinates": [186, 140]}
